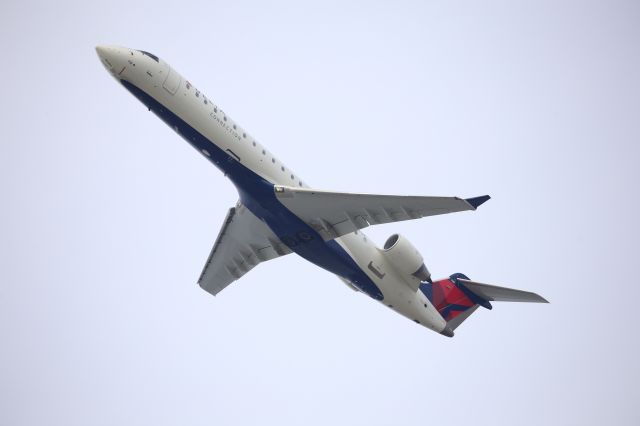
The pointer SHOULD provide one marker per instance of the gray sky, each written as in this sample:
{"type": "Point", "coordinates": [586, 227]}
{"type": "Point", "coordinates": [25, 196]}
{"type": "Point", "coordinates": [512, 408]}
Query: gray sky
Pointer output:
{"type": "Point", "coordinates": [108, 217]}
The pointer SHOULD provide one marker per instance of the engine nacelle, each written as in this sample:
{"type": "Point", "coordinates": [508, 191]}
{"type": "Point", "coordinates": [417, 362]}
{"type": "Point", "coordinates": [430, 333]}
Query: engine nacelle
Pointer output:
{"type": "Point", "coordinates": [405, 258]}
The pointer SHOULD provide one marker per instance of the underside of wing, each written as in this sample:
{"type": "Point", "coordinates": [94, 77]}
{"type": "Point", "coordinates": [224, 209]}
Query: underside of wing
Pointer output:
{"type": "Point", "coordinates": [243, 242]}
{"type": "Point", "coordinates": [333, 214]}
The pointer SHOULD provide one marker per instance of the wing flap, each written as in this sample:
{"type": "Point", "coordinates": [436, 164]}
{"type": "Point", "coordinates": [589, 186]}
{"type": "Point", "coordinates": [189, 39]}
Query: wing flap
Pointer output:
{"type": "Point", "coordinates": [333, 214]}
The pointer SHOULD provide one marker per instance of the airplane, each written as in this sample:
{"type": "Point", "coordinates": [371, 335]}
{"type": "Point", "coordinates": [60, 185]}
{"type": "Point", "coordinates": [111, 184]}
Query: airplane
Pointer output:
{"type": "Point", "coordinates": [278, 214]}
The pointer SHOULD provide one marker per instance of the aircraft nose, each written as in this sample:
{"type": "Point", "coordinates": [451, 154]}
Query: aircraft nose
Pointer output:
{"type": "Point", "coordinates": [101, 50]}
{"type": "Point", "coordinates": [107, 55]}
{"type": "Point", "coordinates": [115, 59]}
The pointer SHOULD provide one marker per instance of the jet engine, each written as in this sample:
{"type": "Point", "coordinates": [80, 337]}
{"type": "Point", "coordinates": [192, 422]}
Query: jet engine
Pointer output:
{"type": "Point", "coordinates": [405, 258]}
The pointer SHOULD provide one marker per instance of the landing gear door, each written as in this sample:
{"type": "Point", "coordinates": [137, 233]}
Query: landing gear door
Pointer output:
{"type": "Point", "coordinates": [172, 82]}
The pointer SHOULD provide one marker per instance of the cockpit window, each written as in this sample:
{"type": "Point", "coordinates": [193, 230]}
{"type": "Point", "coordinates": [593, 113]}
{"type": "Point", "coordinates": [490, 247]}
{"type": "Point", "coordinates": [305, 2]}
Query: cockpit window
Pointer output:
{"type": "Point", "coordinates": [151, 55]}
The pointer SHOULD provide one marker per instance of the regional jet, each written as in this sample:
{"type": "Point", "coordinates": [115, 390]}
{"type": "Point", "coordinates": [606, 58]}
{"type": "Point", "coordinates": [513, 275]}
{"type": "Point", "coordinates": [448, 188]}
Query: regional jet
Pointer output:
{"type": "Point", "coordinates": [278, 214]}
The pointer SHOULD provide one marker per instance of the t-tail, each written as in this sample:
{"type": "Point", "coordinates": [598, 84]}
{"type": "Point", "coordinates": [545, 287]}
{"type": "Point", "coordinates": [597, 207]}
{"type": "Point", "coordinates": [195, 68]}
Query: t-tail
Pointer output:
{"type": "Point", "coordinates": [457, 297]}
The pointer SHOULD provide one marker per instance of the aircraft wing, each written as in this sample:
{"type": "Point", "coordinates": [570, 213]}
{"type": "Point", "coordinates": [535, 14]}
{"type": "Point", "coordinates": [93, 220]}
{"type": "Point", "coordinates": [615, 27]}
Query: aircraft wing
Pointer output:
{"type": "Point", "coordinates": [333, 214]}
{"type": "Point", "coordinates": [243, 242]}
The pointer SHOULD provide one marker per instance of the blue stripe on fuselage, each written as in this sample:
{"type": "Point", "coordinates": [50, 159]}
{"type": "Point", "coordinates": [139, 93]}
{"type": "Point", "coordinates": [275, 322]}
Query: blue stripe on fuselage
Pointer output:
{"type": "Point", "coordinates": [257, 194]}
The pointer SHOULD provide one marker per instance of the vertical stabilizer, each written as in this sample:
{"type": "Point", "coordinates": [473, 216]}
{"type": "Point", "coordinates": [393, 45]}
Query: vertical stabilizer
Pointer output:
{"type": "Point", "coordinates": [453, 302]}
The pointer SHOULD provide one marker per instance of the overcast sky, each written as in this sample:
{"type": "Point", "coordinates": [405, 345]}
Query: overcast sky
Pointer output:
{"type": "Point", "coordinates": [108, 217]}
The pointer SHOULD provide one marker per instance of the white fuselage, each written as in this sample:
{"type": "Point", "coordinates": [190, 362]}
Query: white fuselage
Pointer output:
{"type": "Point", "coordinates": [170, 90]}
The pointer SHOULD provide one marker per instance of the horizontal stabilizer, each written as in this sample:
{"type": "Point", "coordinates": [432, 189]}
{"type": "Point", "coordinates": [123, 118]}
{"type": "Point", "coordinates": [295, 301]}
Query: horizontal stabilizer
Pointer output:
{"type": "Point", "coordinates": [455, 322]}
{"type": "Point", "coordinates": [500, 294]}
{"type": "Point", "coordinates": [456, 298]}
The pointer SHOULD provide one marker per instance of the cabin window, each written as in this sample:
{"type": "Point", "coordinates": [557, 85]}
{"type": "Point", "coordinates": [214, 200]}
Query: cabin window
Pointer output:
{"type": "Point", "coordinates": [234, 127]}
{"type": "Point", "coordinates": [254, 143]}
{"type": "Point", "coordinates": [215, 109]}
{"type": "Point", "coordinates": [273, 160]}
{"type": "Point", "coordinates": [205, 100]}
{"type": "Point", "coordinates": [264, 152]}
{"type": "Point", "coordinates": [244, 135]}
{"type": "Point", "coordinates": [300, 183]}
{"type": "Point", "coordinates": [291, 177]}
{"type": "Point", "coordinates": [282, 168]}
{"type": "Point", "coordinates": [224, 118]}
{"type": "Point", "coordinates": [197, 93]}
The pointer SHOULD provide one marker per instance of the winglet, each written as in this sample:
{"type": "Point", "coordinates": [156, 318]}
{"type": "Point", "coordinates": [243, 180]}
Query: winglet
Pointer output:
{"type": "Point", "coordinates": [477, 201]}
